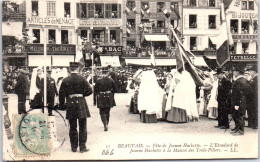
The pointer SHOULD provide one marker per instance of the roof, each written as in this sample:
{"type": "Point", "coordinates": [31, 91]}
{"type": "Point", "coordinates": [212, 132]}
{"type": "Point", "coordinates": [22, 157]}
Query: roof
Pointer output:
{"type": "Point", "coordinates": [227, 3]}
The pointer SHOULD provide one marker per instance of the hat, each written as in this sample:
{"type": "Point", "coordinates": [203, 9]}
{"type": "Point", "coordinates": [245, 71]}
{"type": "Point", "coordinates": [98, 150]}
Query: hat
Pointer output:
{"type": "Point", "coordinates": [252, 68]}
{"type": "Point", "coordinates": [74, 64]}
{"type": "Point", "coordinates": [239, 68]}
{"type": "Point", "coordinates": [219, 71]}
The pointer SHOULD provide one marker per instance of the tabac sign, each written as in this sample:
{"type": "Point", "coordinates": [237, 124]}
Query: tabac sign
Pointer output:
{"type": "Point", "coordinates": [111, 50]}
{"type": "Point", "coordinates": [50, 20]}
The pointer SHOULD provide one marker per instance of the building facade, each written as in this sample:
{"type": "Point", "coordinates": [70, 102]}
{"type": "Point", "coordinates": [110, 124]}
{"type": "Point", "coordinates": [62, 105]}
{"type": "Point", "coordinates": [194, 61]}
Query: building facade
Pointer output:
{"type": "Point", "coordinates": [147, 26]}
{"type": "Point", "coordinates": [242, 21]}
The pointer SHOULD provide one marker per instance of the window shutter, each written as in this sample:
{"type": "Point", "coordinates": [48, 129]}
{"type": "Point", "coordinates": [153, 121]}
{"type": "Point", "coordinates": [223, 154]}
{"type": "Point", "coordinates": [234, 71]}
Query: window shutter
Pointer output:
{"type": "Point", "coordinates": [119, 11]}
{"type": "Point", "coordinates": [91, 10]}
{"type": "Point", "coordinates": [118, 36]}
{"type": "Point", "coordinates": [90, 35]}
{"type": "Point", "coordinates": [106, 36]}
{"type": "Point", "coordinates": [108, 10]}
{"type": "Point", "coordinates": [217, 22]}
{"type": "Point", "coordinates": [200, 21]}
{"type": "Point", "coordinates": [70, 37]}
{"type": "Point", "coordinates": [78, 11]}
{"type": "Point", "coordinates": [188, 41]}
{"type": "Point", "coordinates": [206, 22]}
{"type": "Point", "coordinates": [186, 22]}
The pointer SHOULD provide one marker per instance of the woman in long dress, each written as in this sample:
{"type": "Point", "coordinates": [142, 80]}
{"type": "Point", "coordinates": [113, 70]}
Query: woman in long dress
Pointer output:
{"type": "Point", "coordinates": [36, 91]}
{"type": "Point", "coordinates": [150, 98]}
{"type": "Point", "coordinates": [213, 103]}
{"type": "Point", "coordinates": [184, 106]}
{"type": "Point", "coordinates": [134, 86]}
{"type": "Point", "coordinates": [165, 96]}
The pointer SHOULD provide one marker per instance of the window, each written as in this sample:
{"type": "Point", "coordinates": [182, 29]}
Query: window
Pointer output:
{"type": "Point", "coordinates": [131, 5]}
{"type": "Point", "coordinates": [99, 36]}
{"type": "Point", "coordinates": [212, 22]}
{"type": "Point", "coordinates": [211, 3]}
{"type": "Point", "coordinates": [83, 34]}
{"type": "Point", "coordinates": [193, 3]}
{"type": "Point", "coordinates": [34, 8]}
{"type": "Point", "coordinates": [67, 10]}
{"type": "Point", "coordinates": [234, 26]}
{"type": "Point", "coordinates": [52, 36]}
{"type": "Point", "coordinates": [245, 27]}
{"type": "Point", "coordinates": [244, 5]}
{"type": "Point", "coordinates": [160, 24]}
{"type": "Point", "coordinates": [99, 11]}
{"type": "Point", "coordinates": [36, 34]}
{"type": "Point", "coordinates": [131, 24]}
{"type": "Point", "coordinates": [145, 5]}
{"type": "Point", "coordinates": [251, 5]}
{"type": "Point", "coordinates": [64, 37]}
{"type": "Point", "coordinates": [245, 46]}
{"type": "Point", "coordinates": [174, 6]}
{"type": "Point", "coordinates": [114, 11]}
{"type": "Point", "coordinates": [233, 48]}
{"type": "Point", "coordinates": [130, 48]}
{"type": "Point", "coordinates": [193, 45]}
{"type": "Point", "coordinates": [193, 21]}
{"type": "Point", "coordinates": [113, 36]}
{"type": "Point", "coordinates": [51, 9]}
{"type": "Point", "coordinates": [172, 23]}
{"type": "Point", "coordinates": [81, 10]}
{"type": "Point", "coordinates": [211, 45]}
{"type": "Point", "coordinates": [255, 26]}
{"type": "Point", "coordinates": [160, 6]}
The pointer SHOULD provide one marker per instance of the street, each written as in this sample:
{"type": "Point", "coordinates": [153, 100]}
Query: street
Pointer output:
{"type": "Point", "coordinates": [126, 134]}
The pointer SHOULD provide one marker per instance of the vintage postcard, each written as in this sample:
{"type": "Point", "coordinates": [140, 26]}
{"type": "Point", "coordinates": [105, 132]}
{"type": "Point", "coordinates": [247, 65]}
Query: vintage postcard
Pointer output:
{"type": "Point", "coordinates": [129, 79]}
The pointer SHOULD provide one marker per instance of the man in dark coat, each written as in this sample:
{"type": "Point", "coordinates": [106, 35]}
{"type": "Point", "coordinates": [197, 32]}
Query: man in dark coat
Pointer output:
{"type": "Point", "coordinates": [74, 88]}
{"type": "Point", "coordinates": [21, 90]}
{"type": "Point", "coordinates": [105, 89]}
{"type": "Point", "coordinates": [113, 76]}
{"type": "Point", "coordinates": [223, 96]}
{"type": "Point", "coordinates": [253, 107]}
{"type": "Point", "coordinates": [51, 92]}
{"type": "Point", "coordinates": [240, 99]}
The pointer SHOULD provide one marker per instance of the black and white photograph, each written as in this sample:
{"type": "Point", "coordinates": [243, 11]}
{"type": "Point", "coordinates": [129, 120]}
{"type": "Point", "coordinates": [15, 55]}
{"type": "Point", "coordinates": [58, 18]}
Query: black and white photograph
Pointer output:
{"type": "Point", "coordinates": [129, 80]}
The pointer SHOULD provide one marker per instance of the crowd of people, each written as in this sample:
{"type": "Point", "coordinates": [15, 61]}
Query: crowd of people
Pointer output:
{"type": "Point", "coordinates": [226, 95]}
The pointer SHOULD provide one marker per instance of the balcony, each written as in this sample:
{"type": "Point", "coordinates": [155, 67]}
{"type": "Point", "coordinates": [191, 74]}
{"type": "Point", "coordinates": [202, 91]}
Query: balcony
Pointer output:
{"type": "Point", "coordinates": [18, 49]}
{"type": "Point", "coordinates": [159, 30]}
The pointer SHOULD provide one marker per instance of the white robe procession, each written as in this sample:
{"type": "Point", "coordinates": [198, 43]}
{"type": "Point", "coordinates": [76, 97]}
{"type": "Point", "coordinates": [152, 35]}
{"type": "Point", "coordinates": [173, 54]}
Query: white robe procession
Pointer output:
{"type": "Point", "coordinates": [185, 95]}
{"type": "Point", "coordinates": [150, 94]}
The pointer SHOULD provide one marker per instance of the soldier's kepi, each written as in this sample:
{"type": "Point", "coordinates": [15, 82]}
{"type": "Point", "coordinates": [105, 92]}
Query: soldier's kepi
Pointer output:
{"type": "Point", "coordinates": [74, 88]}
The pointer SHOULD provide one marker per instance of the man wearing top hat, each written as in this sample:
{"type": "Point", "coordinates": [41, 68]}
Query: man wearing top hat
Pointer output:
{"type": "Point", "coordinates": [21, 88]}
{"type": "Point", "coordinates": [105, 89]}
{"type": "Point", "coordinates": [223, 98]}
{"type": "Point", "coordinates": [240, 99]}
{"type": "Point", "coordinates": [74, 88]}
{"type": "Point", "coordinates": [253, 106]}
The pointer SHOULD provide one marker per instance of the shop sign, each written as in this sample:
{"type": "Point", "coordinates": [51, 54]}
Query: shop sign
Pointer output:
{"type": "Point", "coordinates": [49, 20]}
{"type": "Point", "coordinates": [100, 23]}
{"type": "Point", "coordinates": [52, 49]}
{"type": "Point", "coordinates": [244, 15]}
{"type": "Point", "coordinates": [112, 49]}
{"type": "Point", "coordinates": [243, 57]}
{"type": "Point", "coordinates": [245, 37]}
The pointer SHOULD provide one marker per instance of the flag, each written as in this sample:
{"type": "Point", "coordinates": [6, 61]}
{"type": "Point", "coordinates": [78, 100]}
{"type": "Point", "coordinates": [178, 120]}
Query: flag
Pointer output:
{"type": "Point", "coordinates": [167, 13]}
{"type": "Point", "coordinates": [134, 9]}
{"type": "Point", "coordinates": [127, 10]}
{"type": "Point", "coordinates": [153, 63]}
{"type": "Point", "coordinates": [183, 61]}
{"type": "Point", "coordinates": [251, 27]}
{"type": "Point", "coordinates": [223, 47]}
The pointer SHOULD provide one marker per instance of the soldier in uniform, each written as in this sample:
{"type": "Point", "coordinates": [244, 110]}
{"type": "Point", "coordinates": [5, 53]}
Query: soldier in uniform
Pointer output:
{"type": "Point", "coordinates": [253, 107]}
{"type": "Point", "coordinates": [51, 92]}
{"type": "Point", "coordinates": [240, 100]}
{"type": "Point", "coordinates": [74, 88]}
{"type": "Point", "coordinates": [105, 89]}
{"type": "Point", "coordinates": [21, 90]}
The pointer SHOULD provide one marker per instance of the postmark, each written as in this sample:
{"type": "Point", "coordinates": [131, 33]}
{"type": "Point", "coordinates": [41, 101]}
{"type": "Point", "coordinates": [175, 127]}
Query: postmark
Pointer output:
{"type": "Point", "coordinates": [35, 134]}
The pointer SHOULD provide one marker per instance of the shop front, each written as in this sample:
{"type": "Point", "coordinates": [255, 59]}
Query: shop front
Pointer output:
{"type": "Point", "coordinates": [58, 55]}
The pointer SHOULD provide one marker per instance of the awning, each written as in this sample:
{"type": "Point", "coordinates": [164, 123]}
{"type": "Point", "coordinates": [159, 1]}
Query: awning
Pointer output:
{"type": "Point", "coordinates": [12, 29]}
{"type": "Point", "coordinates": [214, 40]}
{"type": "Point", "coordinates": [198, 61]}
{"type": "Point", "coordinates": [39, 60]}
{"type": "Point", "coordinates": [156, 38]}
{"type": "Point", "coordinates": [110, 60]}
{"type": "Point", "coordinates": [62, 60]}
{"type": "Point", "coordinates": [147, 62]}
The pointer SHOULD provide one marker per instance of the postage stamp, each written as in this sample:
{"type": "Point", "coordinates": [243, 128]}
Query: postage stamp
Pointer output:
{"type": "Point", "coordinates": [31, 135]}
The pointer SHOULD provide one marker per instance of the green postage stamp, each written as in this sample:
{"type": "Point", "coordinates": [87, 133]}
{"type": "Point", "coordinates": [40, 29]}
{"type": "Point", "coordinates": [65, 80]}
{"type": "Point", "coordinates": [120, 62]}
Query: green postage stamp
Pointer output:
{"type": "Point", "coordinates": [31, 135]}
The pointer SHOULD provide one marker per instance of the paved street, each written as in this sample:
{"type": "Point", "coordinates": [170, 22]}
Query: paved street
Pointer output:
{"type": "Point", "coordinates": [126, 128]}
